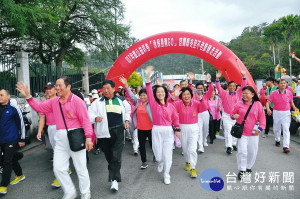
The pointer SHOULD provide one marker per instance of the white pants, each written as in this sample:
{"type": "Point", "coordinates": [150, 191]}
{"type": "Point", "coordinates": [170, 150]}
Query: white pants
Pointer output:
{"type": "Point", "coordinates": [51, 134]}
{"type": "Point", "coordinates": [134, 136]}
{"type": "Point", "coordinates": [227, 124]}
{"type": "Point", "coordinates": [62, 154]}
{"type": "Point", "coordinates": [246, 156]}
{"type": "Point", "coordinates": [203, 123]}
{"type": "Point", "coordinates": [188, 138]}
{"type": "Point", "coordinates": [162, 146]}
{"type": "Point", "coordinates": [282, 118]}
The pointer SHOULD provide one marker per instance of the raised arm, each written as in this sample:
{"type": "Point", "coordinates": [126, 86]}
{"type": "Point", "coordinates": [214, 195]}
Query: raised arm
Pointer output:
{"type": "Point", "coordinates": [209, 92]}
{"type": "Point", "coordinates": [191, 78]}
{"type": "Point", "coordinates": [175, 96]}
{"type": "Point", "coordinates": [129, 93]}
{"type": "Point", "coordinates": [244, 83]}
{"type": "Point", "coordinates": [131, 96]}
{"type": "Point", "coordinates": [45, 107]}
{"type": "Point", "coordinates": [149, 90]}
{"type": "Point", "coordinates": [218, 85]}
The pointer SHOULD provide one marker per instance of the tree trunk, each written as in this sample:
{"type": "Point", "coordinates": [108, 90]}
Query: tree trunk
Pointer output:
{"type": "Point", "coordinates": [290, 60]}
{"type": "Point", "coordinates": [58, 61]}
{"type": "Point", "coordinates": [278, 55]}
{"type": "Point", "coordinates": [274, 54]}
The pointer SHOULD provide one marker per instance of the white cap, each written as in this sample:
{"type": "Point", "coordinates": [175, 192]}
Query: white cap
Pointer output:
{"type": "Point", "coordinates": [95, 96]}
{"type": "Point", "coordinates": [94, 91]}
{"type": "Point", "coordinates": [120, 86]}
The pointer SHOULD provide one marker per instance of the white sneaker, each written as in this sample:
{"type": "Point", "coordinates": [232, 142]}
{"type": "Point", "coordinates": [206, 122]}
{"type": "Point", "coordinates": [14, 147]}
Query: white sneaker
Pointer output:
{"type": "Point", "coordinates": [200, 151]}
{"type": "Point", "coordinates": [114, 186]}
{"type": "Point", "coordinates": [70, 196]}
{"type": "Point", "coordinates": [205, 144]}
{"type": "Point", "coordinates": [167, 180]}
{"type": "Point", "coordinates": [86, 196]}
{"type": "Point", "coordinates": [160, 167]}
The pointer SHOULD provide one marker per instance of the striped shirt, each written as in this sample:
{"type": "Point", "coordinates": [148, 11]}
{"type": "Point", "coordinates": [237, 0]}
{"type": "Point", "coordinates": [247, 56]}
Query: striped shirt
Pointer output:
{"type": "Point", "coordinates": [113, 111]}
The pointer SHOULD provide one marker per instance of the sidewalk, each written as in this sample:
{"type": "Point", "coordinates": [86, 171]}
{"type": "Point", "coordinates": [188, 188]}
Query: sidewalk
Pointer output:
{"type": "Point", "coordinates": [296, 137]}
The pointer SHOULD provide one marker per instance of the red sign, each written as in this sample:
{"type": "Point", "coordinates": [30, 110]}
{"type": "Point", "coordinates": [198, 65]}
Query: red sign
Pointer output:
{"type": "Point", "coordinates": [188, 43]}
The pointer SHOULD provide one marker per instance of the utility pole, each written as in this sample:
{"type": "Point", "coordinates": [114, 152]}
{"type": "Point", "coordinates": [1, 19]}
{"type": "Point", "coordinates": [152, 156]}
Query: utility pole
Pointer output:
{"type": "Point", "coordinates": [116, 38]}
{"type": "Point", "coordinates": [202, 66]}
{"type": "Point", "coordinates": [290, 59]}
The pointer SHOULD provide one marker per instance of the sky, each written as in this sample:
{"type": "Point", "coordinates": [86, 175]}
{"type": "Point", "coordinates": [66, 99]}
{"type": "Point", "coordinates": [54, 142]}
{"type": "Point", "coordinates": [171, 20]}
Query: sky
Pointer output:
{"type": "Point", "coordinates": [221, 20]}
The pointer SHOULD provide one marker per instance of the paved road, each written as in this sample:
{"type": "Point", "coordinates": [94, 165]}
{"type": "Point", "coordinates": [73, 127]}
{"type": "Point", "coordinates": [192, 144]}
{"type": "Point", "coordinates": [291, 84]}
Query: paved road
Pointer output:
{"type": "Point", "coordinates": [137, 183]}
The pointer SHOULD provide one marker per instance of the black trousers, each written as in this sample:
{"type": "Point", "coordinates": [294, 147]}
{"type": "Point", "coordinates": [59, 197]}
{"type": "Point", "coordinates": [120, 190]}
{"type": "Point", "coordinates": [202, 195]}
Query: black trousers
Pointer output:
{"type": "Point", "coordinates": [112, 148]}
{"type": "Point", "coordinates": [213, 128]}
{"type": "Point", "coordinates": [269, 121]}
{"type": "Point", "coordinates": [10, 162]}
{"type": "Point", "coordinates": [142, 135]}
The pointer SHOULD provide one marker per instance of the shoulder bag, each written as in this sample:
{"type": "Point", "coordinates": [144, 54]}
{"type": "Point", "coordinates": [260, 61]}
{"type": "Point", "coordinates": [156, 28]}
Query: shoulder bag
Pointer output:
{"type": "Point", "coordinates": [237, 129]}
{"type": "Point", "coordinates": [76, 137]}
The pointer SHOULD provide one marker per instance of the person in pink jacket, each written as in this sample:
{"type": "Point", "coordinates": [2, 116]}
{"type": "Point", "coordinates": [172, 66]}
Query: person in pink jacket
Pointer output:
{"type": "Point", "coordinates": [283, 102]}
{"type": "Point", "coordinates": [164, 116]}
{"type": "Point", "coordinates": [188, 110]}
{"type": "Point", "coordinates": [76, 116]}
{"type": "Point", "coordinates": [215, 107]}
{"type": "Point", "coordinates": [203, 115]}
{"type": "Point", "coordinates": [254, 124]}
{"type": "Point", "coordinates": [229, 99]}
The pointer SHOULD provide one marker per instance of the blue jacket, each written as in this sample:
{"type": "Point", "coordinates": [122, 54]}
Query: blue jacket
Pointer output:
{"type": "Point", "coordinates": [12, 128]}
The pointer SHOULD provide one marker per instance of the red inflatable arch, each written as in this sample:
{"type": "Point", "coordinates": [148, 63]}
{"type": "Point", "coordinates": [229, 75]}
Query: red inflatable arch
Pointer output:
{"type": "Point", "coordinates": [179, 42]}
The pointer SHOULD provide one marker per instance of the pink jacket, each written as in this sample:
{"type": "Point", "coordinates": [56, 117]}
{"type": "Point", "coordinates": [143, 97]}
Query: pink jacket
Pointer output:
{"type": "Point", "coordinates": [255, 115]}
{"type": "Point", "coordinates": [74, 110]}
{"type": "Point", "coordinates": [214, 106]}
{"type": "Point", "coordinates": [187, 114]}
{"type": "Point", "coordinates": [229, 100]}
{"type": "Point", "coordinates": [262, 91]}
{"type": "Point", "coordinates": [163, 115]}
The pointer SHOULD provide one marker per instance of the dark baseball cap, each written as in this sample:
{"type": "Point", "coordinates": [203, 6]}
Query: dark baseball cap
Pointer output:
{"type": "Point", "coordinates": [49, 85]}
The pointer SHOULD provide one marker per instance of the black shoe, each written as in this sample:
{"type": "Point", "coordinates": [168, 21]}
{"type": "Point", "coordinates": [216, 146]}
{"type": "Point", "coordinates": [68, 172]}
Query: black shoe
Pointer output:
{"type": "Point", "coordinates": [234, 148]}
{"type": "Point", "coordinates": [248, 170]}
{"type": "Point", "coordinates": [211, 141]}
{"type": "Point", "coordinates": [144, 165]}
{"type": "Point", "coordinates": [240, 175]}
{"type": "Point", "coordinates": [229, 150]}
{"type": "Point", "coordinates": [277, 144]}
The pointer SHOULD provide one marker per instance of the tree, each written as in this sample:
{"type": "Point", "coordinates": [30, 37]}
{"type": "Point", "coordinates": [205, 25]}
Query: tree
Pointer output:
{"type": "Point", "coordinates": [54, 30]}
{"type": "Point", "coordinates": [290, 25]}
{"type": "Point", "coordinates": [135, 80]}
{"type": "Point", "coordinates": [273, 33]}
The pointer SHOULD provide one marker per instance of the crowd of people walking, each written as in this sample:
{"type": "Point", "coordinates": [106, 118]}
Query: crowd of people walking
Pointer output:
{"type": "Point", "coordinates": [161, 114]}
